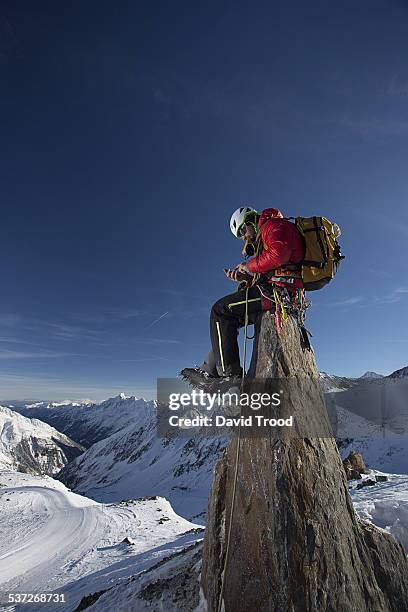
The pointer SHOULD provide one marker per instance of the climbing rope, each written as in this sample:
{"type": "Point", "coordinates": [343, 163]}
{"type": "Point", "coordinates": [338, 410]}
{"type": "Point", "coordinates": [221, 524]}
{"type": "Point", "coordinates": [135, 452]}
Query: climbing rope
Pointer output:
{"type": "Point", "coordinates": [235, 479]}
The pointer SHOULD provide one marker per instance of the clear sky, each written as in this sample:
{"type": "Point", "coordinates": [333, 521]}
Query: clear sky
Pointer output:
{"type": "Point", "coordinates": [130, 131]}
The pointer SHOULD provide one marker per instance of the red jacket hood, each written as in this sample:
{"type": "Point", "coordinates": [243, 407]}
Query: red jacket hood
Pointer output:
{"type": "Point", "coordinates": [269, 213]}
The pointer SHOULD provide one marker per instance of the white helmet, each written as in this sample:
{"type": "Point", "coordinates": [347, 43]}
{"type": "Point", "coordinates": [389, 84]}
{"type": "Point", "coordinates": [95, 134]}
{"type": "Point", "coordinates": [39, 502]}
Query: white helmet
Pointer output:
{"type": "Point", "coordinates": [239, 217]}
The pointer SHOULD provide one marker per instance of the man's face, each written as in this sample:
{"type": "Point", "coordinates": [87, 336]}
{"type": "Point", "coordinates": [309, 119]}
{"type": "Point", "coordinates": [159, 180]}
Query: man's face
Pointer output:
{"type": "Point", "coordinates": [247, 232]}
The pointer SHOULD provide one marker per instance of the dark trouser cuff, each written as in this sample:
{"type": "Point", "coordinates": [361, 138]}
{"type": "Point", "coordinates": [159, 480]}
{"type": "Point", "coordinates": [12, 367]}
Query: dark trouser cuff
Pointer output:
{"type": "Point", "coordinates": [209, 365]}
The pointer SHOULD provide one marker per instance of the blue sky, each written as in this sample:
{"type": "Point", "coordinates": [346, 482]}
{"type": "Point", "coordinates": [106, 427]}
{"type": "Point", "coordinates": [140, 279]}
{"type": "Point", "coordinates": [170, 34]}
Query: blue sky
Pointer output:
{"type": "Point", "coordinates": [130, 133]}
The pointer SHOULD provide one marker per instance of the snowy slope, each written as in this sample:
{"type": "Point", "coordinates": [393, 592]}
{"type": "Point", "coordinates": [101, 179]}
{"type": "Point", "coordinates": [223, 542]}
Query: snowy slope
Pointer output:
{"type": "Point", "coordinates": [32, 446]}
{"type": "Point", "coordinates": [386, 454]}
{"type": "Point", "coordinates": [173, 585]}
{"type": "Point", "coordinates": [66, 543]}
{"type": "Point", "coordinates": [69, 544]}
{"type": "Point", "coordinates": [401, 373]}
{"type": "Point", "coordinates": [333, 383]}
{"type": "Point", "coordinates": [382, 402]}
{"type": "Point", "coordinates": [372, 418]}
{"type": "Point", "coordinates": [85, 422]}
{"type": "Point", "coordinates": [135, 461]}
{"type": "Point", "coordinates": [385, 504]}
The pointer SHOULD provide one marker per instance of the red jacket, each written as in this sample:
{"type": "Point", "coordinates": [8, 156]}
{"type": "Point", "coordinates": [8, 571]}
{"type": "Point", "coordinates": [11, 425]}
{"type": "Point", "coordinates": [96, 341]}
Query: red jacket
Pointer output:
{"type": "Point", "coordinates": [282, 244]}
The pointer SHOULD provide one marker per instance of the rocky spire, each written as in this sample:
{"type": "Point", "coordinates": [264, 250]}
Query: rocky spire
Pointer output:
{"type": "Point", "coordinates": [296, 542]}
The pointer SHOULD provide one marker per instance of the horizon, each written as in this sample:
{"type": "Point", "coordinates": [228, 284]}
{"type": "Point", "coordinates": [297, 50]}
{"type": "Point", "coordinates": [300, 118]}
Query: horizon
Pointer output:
{"type": "Point", "coordinates": [147, 397]}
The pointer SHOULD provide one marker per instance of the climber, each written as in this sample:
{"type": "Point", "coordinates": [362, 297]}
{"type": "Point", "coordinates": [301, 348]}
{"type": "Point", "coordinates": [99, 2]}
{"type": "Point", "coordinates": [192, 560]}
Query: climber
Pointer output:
{"type": "Point", "coordinates": [277, 249]}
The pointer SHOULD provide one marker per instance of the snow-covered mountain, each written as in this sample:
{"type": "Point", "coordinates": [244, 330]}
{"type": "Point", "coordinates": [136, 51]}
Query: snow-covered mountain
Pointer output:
{"type": "Point", "coordinates": [371, 375]}
{"type": "Point", "coordinates": [372, 418]}
{"type": "Point", "coordinates": [135, 461]}
{"type": "Point", "coordinates": [333, 383]}
{"type": "Point", "coordinates": [126, 457]}
{"type": "Point", "coordinates": [401, 373]}
{"type": "Point", "coordinates": [85, 422]}
{"type": "Point", "coordinates": [68, 544]}
{"type": "Point", "coordinates": [29, 445]}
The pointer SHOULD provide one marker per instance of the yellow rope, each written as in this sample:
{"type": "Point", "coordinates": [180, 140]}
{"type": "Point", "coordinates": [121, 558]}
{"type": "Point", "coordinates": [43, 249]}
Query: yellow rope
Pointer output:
{"type": "Point", "coordinates": [279, 304]}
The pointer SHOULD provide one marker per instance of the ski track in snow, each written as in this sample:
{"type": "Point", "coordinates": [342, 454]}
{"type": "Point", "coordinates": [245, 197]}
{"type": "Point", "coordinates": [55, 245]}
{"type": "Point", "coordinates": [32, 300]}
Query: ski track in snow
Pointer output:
{"type": "Point", "coordinates": [64, 534]}
{"type": "Point", "coordinates": [70, 544]}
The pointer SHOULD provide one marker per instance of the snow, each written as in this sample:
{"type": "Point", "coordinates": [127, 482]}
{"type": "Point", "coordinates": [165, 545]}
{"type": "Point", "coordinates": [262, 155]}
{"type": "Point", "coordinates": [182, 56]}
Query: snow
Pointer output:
{"type": "Point", "coordinates": [70, 544]}
{"type": "Point", "coordinates": [89, 423]}
{"type": "Point", "coordinates": [15, 426]}
{"type": "Point", "coordinates": [42, 404]}
{"type": "Point", "coordinates": [385, 504]}
{"type": "Point", "coordinates": [136, 459]}
{"type": "Point", "coordinates": [401, 373]}
{"type": "Point", "coordinates": [36, 438]}
{"type": "Point", "coordinates": [332, 383]}
{"type": "Point", "coordinates": [372, 419]}
{"type": "Point", "coordinates": [54, 540]}
{"type": "Point", "coordinates": [133, 458]}
{"type": "Point", "coordinates": [387, 454]}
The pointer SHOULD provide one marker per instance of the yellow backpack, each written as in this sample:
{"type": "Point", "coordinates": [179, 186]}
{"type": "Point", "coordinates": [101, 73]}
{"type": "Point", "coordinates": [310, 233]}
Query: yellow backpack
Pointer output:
{"type": "Point", "coordinates": [323, 256]}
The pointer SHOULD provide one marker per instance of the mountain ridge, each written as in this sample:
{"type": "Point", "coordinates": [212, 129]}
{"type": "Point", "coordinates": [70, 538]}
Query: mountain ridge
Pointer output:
{"type": "Point", "coordinates": [32, 446]}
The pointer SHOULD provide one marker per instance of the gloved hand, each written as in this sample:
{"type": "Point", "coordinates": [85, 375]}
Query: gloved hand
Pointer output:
{"type": "Point", "coordinates": [237, 275]}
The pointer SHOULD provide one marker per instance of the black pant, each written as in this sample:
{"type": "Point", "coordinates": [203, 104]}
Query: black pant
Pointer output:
{"type": "Point", "coordinates": [227, 316]}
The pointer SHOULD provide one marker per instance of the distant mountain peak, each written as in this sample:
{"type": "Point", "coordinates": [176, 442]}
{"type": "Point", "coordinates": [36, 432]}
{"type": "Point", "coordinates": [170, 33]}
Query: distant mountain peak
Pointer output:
{"type": "Point", "coordinates": [121, 396]}
{"type": "Point", "coordinates": [370, 374]}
